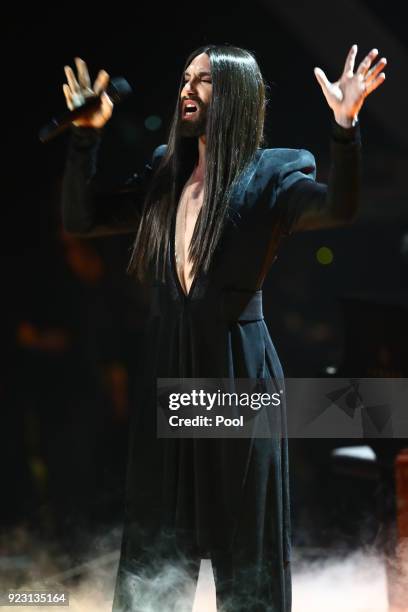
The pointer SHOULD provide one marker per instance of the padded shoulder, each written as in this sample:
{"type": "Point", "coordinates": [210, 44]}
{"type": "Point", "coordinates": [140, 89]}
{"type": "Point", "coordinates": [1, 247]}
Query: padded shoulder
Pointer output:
{"type": "Point", "coordinates": [158, 154]}
{"type": "Point", "coordinates": [287, 166]}
{"type": "Point", "coordinates": [285, 162]}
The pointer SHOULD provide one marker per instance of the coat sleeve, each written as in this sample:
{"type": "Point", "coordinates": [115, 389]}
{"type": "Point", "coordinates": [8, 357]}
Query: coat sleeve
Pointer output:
{"type": "Point", "coordinates": [88, 210]}
{"type": "Point", "coordinates": [306, 204]}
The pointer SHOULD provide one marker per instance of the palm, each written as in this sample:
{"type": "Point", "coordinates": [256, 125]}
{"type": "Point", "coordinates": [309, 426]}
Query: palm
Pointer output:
{"type": "Point", "coordinates": [346, 95]}
{"type": "Point", "coordinates": [348, 90]}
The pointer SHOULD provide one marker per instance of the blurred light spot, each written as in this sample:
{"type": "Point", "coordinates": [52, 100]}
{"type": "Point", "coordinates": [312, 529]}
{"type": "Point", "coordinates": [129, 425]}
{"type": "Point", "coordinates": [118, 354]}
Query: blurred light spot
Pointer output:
{"type": "Point", "coordinates": [153, 123]}
{"type": "Point", "coordinates": [355, 452]}
{"type": "Point", "coordinates": [293, 321]}
{"type": "Point", "coordinates": [319, 332]}
{"type": "Point", "coordinates": [324, 255]}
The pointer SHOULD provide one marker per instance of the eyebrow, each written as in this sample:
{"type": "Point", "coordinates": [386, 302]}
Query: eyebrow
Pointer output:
{"type": "Point", "coordinates": [201, 73]}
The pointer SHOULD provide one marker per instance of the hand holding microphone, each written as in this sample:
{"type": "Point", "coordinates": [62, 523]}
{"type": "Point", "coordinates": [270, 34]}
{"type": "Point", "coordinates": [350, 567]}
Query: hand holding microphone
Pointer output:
{"type": "Point", "coordinates": [77, 91]}
{"type": "Point", "coordinates": [88, 106]}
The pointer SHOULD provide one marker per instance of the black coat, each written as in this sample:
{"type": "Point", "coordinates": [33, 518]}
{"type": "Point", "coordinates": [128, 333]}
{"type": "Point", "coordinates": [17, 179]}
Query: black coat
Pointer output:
{"type": "Point", "coordinates": [224, 498]}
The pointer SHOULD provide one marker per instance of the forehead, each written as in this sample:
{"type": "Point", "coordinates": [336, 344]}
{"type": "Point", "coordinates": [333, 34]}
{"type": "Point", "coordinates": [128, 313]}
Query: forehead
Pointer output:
{"type": "Point", "coordinates": [201, 63]}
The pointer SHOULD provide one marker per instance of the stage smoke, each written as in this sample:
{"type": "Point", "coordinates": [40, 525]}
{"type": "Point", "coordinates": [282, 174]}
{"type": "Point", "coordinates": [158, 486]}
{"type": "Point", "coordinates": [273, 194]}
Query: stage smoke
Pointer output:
{"type": "Point", "coordinates": [356, 582]}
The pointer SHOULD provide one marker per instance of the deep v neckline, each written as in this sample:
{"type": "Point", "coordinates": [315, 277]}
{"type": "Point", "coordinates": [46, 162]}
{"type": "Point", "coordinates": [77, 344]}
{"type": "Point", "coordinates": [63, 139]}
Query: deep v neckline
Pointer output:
{"type": "Point", "coordinates": [235, 204]}
{"type": "Point", "coordinates": [184, 295]}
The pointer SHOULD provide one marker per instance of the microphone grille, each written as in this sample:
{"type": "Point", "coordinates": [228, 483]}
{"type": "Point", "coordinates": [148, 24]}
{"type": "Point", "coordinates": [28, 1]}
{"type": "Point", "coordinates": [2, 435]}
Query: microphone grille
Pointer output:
{"type": "Point", "coordinates": [118, 89]}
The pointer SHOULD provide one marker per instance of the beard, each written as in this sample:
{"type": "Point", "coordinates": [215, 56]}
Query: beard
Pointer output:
{"type": "Point", "coordinates": [196, 126]}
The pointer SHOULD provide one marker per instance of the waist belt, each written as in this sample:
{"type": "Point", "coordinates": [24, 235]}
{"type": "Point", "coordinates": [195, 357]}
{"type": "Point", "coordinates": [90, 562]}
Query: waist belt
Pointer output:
{"type": "Point", "coordinates": [242, 305]}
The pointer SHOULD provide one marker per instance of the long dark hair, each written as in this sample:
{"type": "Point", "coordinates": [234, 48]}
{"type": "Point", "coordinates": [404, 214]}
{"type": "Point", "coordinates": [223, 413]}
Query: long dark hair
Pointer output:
{"type": "Point", "coordinates": [234, 131]}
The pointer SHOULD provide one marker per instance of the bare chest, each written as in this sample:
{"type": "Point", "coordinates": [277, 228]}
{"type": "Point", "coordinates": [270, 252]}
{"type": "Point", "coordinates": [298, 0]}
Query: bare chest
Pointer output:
{"type": "Point", "coordinates": [188, 209]}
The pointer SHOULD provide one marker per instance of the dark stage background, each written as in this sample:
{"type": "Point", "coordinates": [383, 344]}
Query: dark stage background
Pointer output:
{"type": "Point", "coordinates": [72, 319]}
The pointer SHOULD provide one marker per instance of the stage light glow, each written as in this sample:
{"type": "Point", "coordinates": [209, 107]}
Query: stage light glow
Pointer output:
{"type": "Point", "coordinates": [153, 122]}
{"type": "Point", "coordinates": [324, 255]}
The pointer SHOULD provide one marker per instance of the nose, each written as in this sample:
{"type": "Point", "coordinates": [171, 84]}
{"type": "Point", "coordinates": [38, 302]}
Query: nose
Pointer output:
{"type": "Point", "coordinates": [189, 86]}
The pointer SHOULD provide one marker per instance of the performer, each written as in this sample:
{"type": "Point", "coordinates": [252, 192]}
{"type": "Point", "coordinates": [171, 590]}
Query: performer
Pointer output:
{"type": "Point", "coordinates": [210, 213]}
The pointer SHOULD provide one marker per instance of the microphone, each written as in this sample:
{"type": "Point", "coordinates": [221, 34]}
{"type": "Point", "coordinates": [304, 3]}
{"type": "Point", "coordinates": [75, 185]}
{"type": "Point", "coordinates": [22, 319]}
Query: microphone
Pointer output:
{"type": "Point", "coordinates": [118, 89]}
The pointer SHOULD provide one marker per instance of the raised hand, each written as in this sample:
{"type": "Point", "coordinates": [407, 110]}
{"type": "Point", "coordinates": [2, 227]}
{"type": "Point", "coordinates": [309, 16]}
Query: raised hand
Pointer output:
{"type": "Point", "coordinates": [78, 89]}
{"type": "Point", "coordinates": [346, 96]}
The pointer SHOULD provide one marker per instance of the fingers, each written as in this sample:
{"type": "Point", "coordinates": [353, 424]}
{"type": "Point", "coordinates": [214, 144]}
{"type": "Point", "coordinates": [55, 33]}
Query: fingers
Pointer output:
{"type": "Point", "coordinates": [350, 60]}
{"type": "Point", "coordinates": [107, 103]}
{"type": "Point", "coordinates": [366, 63]}
{"type": "Point", "coordinates": [83, 74]}
{"type": "Point", "coordinates": [72, 82]}
{"type": "Point", "coordinates": [83, 84]}
{"type": "Point", "coordinates": [68, 96]}
{"type": "Point", "coordinates": [323, 81]}
{"type": "Point", "coordinates": [74, 94]}
{"type": "Point", "coordinates": [101, 82]}
{"type": "Point", "coordinates": [375, 83]}
{"type": "Point", "coordinates": [375, 70]}
{"type": "Point", "coordinates": [79, 88]}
